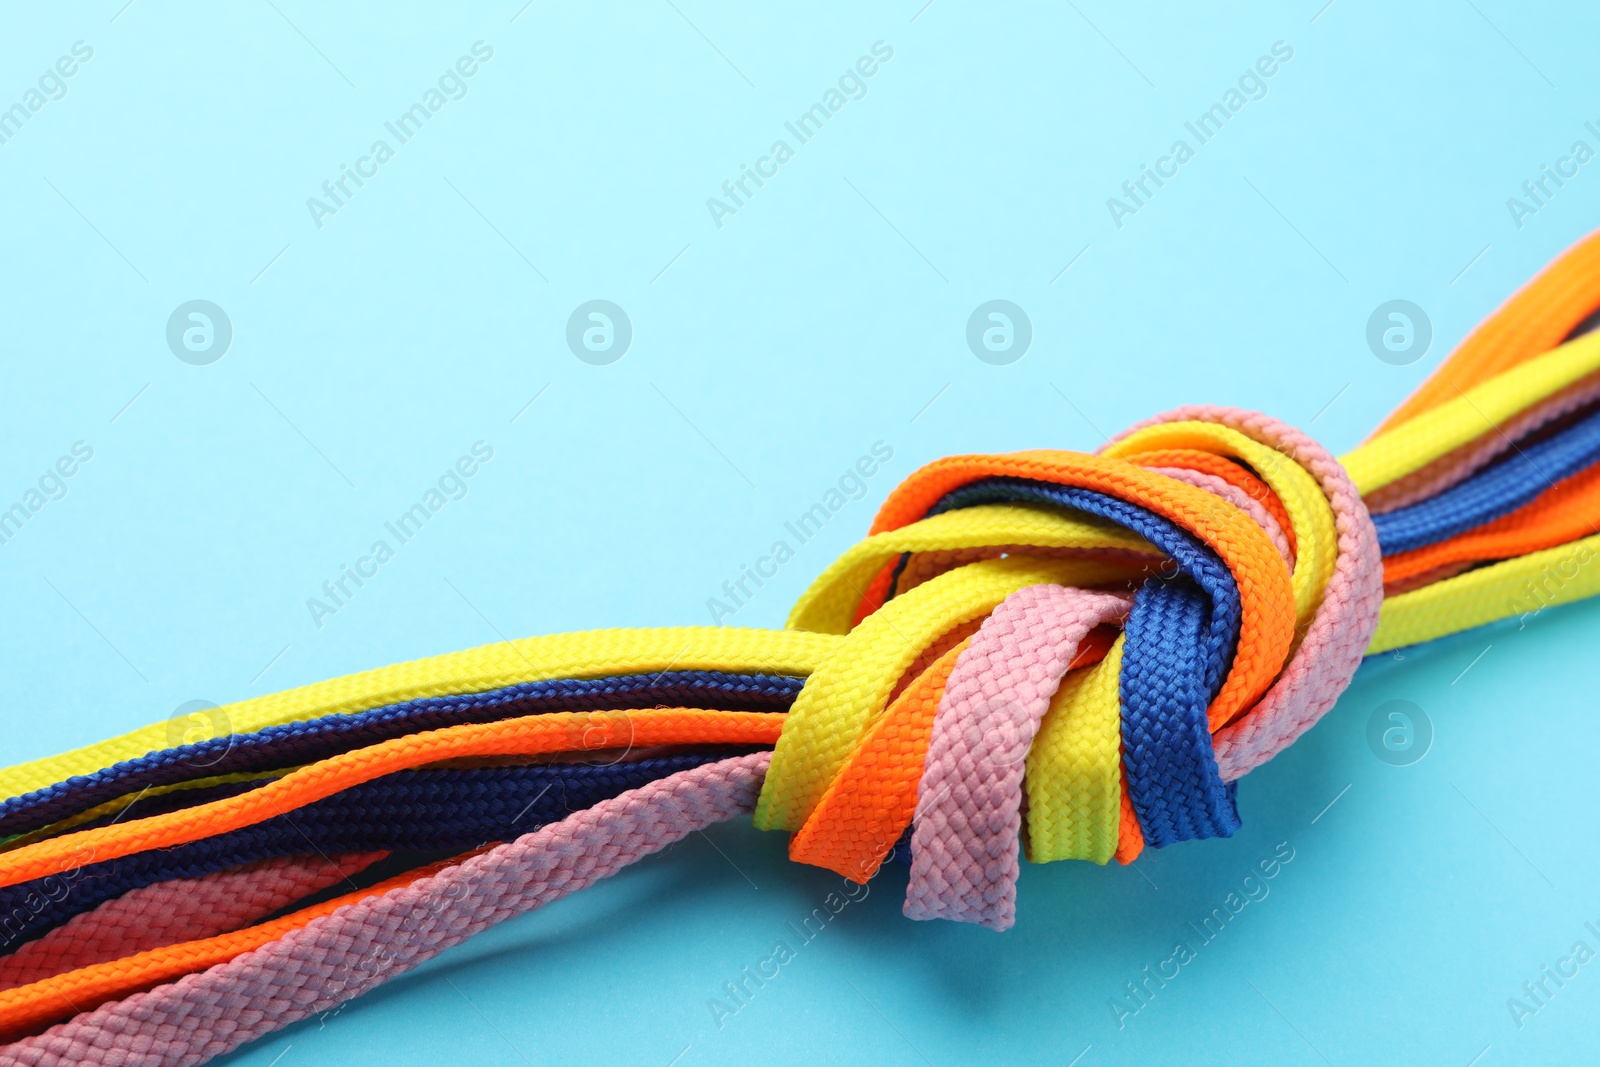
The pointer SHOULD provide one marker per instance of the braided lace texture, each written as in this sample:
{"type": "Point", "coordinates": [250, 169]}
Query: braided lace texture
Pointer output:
{"type": "Point", "coordinates": [969, 810]}
{"type": "Point", "coordinates": [320, 966]}
{"type": "Point", "coordinates": [183, 909]}
{"type": "Point", "coordinates": [1070, 655]}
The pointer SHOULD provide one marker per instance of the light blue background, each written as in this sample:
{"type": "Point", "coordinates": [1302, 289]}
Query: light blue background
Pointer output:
{"type": "Point", "coordinates": [768, 354]}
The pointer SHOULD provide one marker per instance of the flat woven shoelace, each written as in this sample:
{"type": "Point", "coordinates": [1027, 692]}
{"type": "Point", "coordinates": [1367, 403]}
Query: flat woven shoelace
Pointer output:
{"type": "Point", "coordinates": [316, 965]}
{"type": "Point", "coordinates": [315, 739]}
{"type": "Point", "coordinates": [995, 698]}
{"type": "Point", "coordinates": [1181, 632]}
{"type": "Point", "coordinates": [587, 654]}
{"type": "Point", "coordinates": [1544, 313]}
{"type": "Point", "coordinates": [413, 810]}
{"type": "Point", "coordinates": [1042, 653]}
{"type": "Point", "coordinates": [531, 735]}
{"type": "Point", "coordinates": [1435, 477]}
{"type": "Point", "coordinates": [179, 910]}
{"type": "Point", "coordinates": [1562, 513]}
{"type": "Point", "coordinates": [1497, 490]}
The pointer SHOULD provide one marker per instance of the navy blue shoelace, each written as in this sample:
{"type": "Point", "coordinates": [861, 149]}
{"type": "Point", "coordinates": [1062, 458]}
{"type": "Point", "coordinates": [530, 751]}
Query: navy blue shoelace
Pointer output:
{"type": "Point", "coordinates": [316, 739]}
{"type": "Point", "coordinates": [1499, 489]}
{"type": "Point", "coordinates": [413, 810]}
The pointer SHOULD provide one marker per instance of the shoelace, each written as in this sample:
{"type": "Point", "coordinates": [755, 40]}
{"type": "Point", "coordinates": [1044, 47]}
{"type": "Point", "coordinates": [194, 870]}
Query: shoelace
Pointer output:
{"type": "Point", "coordinates": [310, 740]}
{"type": "Point", "coordinates": [179, 910]}
{"type": "Point", "coordinates": [425, 811]}
{"type": "Point", "coordinates": [1062, 655]}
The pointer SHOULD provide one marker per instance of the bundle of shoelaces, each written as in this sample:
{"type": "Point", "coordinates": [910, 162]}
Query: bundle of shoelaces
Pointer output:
{"type": "Point", "coordinates": [1051, 654]}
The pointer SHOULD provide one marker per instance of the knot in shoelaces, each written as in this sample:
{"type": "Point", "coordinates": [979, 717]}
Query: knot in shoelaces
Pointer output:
{"type": "Point", "coordinates": [1051, 655]}
{"type": "Point", "coordinates": [1074, 654]}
